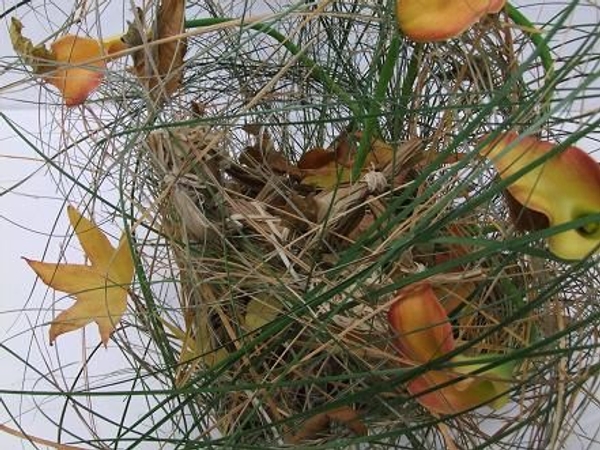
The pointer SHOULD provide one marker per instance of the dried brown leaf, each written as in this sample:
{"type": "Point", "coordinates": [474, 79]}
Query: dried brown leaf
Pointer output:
{"type": "Point", "coordinates": [36, 56]}
{"type": "Point", "coordinates": [326, 169]}
{"type": "Point", "coordinates": [169, 55]}
{"type": "Point", "coordinates": [315, 158]}
{"type": "Point", "coordinates": [365, 222]}
{"type": "Point", "coordinates": [380, 153]}
{"type": "Point", "coordinates": [263, 154]}
{"type": "Point", "coordinates": [160, 67]}
{"type": "Point", "coordinates": [319, 422]}
{"type": "Point", "coordinates": [344, 150]}
{"type": "Point", "coordinates": [301, 210]}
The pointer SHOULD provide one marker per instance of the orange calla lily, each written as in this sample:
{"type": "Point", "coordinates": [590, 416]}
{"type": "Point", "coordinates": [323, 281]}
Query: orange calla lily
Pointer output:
{"type": "Point", "coordinates": [563, 188]}
{"type": "Point", "coordinates": [458, 395]}
{"type": "Point", "coordinates": [438, 20]}
{"type": "Point", "coordinates": [80, 67]}
{"type": "Point", "coordinates": [424, 333]}
{"type": "Point", "coordinates": [76, 78]}
{"type": "Point", "coordinates": [74, 64]}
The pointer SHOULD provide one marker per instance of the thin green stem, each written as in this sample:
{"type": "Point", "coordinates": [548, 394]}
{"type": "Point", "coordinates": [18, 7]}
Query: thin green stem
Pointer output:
{"type": "Point", "coordinates": [541, 45]}
{"type": "Point", "coordinates": [408, 84]}
{"type": "Point", "coordinates": [374, 112]}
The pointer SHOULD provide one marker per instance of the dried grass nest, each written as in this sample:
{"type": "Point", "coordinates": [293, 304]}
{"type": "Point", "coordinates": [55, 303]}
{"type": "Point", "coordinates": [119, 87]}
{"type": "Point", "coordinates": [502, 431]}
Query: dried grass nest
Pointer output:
{"type": "Point", "coordinates": [273, 307]}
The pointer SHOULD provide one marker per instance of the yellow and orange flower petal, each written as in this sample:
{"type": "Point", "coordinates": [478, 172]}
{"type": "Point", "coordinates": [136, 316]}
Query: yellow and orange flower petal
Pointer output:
{"type": "Point", "coordinates": [75, 65]}
{"type": "Point", "coordinates": [79, 71]}
{"type": "Point", "coordinates": [564, 188]}
{"type": "Point", "coordinates": [114, 44]}
{"type": "Point", "coordinates": [438, 20]}
{"type": "Point", "coordinates": [425, 333]}
{"type": "Point", "coordinates": [456, 395]}
{"type": "Point", "coordinates": [523, 218]}
{"type": "Point", "coordinates": [421, 323]}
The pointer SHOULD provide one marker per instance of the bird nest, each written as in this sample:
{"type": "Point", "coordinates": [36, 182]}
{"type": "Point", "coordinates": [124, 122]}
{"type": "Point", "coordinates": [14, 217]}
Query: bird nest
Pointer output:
{"type": "Point", "coordinates": [286, 272]}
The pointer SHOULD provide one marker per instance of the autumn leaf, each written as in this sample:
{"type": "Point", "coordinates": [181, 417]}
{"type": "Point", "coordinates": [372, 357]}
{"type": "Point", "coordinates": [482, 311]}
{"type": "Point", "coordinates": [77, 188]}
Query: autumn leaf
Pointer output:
{"type": "Point", "coordinates": [100, 288]}
{"type": "Point", "coordinates": [261, 311]}
{"type": "Point", "coordinates": [326, 169]}
{"type": "Point", "coordinates": [263, 155]}
{"type": "Point", "coordinates": [316, 157]}
{"type": "Point", "coordinates": [169, 55]}
{"type": "Point", "coordinates": [37, 56]}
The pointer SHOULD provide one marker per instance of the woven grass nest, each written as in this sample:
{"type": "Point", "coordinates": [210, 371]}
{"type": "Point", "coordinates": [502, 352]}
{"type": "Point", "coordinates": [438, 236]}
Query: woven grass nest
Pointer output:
{"type": "Point", "coordinates": [268, 296]}
{"type": "Point", "coordinates": [285, 263]}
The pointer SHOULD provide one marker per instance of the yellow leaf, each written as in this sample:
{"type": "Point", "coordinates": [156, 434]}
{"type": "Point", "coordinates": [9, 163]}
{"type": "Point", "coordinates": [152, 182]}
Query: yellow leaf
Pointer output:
{"type": "Point", "coordinates": [100, 288]}
{"type": "Point", "coordinates": [328, 176]}
{"type": "Point", "coordinates": [261, 311]}
{"type": "Point", "coordinates": [324, 169]}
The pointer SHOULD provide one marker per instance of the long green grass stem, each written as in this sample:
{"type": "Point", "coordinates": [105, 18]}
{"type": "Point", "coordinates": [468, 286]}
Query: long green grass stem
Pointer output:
{"type": "Point", "coordinates": [375, 111]}
{"type": "Point", "coordinates": [408, 83]}
{"type": "Point", "coordinates": [316, 71]}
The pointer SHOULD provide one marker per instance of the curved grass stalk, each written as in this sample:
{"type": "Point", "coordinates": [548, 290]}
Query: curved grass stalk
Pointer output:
{"type": "Point", "coordinates": [540, 44]}
{"type": "Point", "coordinates": [316, 71]}
{"type": "Point", "coordinates": [538, 41]}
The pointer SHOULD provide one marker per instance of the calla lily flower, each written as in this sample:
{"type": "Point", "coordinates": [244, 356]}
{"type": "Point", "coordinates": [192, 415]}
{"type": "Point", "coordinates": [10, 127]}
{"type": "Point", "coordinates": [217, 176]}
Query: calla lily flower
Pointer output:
{"type": "Point", "coordinates": [564, 188]}
{"type": "Point", "coordinates": [424, 331]}
{"type": "Point", "coordinates": [438, 20]}
{"type": "Point", "coordinates": [423, 334]}
{"type": "Point", "coordinates": [79, 66]}
{"type": "Point", "coordinates": [75, 65]}
{"type": "Point", "coordinates": [456, 395]}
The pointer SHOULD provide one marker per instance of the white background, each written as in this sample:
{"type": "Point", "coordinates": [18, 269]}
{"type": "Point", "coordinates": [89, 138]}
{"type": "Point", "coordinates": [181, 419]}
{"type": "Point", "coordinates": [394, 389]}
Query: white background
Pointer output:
{"type": "Point", "coordinates": [34, 211]}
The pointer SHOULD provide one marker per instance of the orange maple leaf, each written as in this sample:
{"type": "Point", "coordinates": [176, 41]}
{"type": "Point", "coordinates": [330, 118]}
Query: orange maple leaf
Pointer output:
{"type": "Point", "coordinates": [100, 288]}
